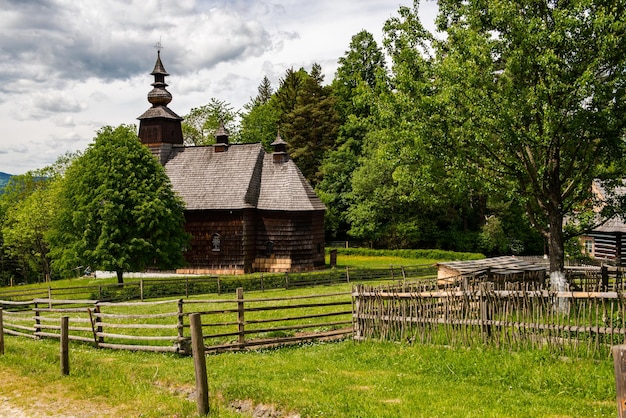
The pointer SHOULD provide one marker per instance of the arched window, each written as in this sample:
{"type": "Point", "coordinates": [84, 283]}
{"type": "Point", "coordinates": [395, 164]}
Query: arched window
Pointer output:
{"type": "Point", "coordinates": [216, 242]}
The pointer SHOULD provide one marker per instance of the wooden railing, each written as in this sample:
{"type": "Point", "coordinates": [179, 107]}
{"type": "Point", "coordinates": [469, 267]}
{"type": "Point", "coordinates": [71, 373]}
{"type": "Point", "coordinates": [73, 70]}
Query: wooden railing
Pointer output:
{"type": "Point", "coordinates": [163, 326]}
{"type": "Point", "coordinates": [147, 288]}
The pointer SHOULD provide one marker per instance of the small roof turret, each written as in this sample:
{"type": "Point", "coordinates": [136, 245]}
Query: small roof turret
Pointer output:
{"type": "Point", "coordinates": [280, 149]}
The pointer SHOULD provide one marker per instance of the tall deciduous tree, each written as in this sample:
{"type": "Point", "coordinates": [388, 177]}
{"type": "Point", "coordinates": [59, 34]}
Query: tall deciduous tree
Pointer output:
{"type": "Point", "coordinates": [27, 207]}
{"type": "Point", "coordinates": [117, 209]}
{"type": "Point", "coordinates": [200, 125]}
{"type": "Point", "coordinates": [531, 94]}
{"type": "Point", "coordinates": [260, 119]}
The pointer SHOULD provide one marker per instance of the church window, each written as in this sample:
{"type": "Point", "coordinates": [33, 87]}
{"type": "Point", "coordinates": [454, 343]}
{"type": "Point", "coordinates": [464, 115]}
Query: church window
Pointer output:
{"type": "Point", "coordinates": [216, 242]}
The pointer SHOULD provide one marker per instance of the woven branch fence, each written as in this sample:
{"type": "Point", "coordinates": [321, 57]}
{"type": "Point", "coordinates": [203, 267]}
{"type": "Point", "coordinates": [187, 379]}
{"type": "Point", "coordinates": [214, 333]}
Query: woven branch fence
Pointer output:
{"type": "Point", "coordinates": [511, 315]}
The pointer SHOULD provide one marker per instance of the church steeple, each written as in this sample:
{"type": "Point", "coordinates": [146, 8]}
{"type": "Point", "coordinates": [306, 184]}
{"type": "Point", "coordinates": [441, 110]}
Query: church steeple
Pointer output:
{"type": "Point", "coordinates": [159, 127]}
{"type": "Point", "coordinates": [159, 96]}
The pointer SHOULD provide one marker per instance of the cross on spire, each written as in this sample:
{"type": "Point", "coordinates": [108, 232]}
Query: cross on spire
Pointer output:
{"type": "Point", "coordinates": [159, 46]}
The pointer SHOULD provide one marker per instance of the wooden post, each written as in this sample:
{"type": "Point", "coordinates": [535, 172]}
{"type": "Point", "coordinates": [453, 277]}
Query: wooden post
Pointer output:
{"type": "Point", "coordinates": [186, 287]}
{"type": "Point", "coordinates": [141, 289]}
{"type": "Point", "coordinates": [485, 314]}
{"type": "Point", "coordinates": [241, 316]}
{"type": "Point", "coordinates": [181, 327]}
{"type": "Point", "coordinates": [1, 334]}
{"type": "Point", "coordinates": [619, 363]}
{"type": "Point", "coordinates": [199, 362]}
{"type": "Point", "coordinates": [65, 358]}
{"type": "Point", "coordinates": [347, 274]}
{"type": "Point", "coordinates": [98, 323]}
{"type": "Point", "coordinates": [37, 320]}
{"type": "Point", "coordinates": [49, 297]}
{"type": "Point", "coordinates": [604, 270]}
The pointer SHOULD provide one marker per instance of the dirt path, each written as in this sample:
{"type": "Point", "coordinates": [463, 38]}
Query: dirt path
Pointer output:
{"type": "Point", "coordinates": [24, 397]}
{"type": "Point", "coordinates": [7, 411]}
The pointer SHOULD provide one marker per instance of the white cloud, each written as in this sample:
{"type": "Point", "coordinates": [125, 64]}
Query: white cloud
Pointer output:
{"type": "Point", "coordinates": [69, 67]}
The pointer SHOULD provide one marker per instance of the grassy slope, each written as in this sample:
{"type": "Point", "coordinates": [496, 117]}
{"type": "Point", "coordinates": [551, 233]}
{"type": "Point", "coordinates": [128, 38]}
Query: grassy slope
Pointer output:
{"type": "Point", "coordinates": [339, 380]}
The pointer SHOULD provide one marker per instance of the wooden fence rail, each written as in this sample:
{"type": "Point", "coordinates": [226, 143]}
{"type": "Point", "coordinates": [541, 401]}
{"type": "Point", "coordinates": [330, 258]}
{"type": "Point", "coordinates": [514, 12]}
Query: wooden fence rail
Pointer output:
{"type": "Point", "coordinates": [163, 326]}
{"type": "Point", "coordinates": [146, 288]}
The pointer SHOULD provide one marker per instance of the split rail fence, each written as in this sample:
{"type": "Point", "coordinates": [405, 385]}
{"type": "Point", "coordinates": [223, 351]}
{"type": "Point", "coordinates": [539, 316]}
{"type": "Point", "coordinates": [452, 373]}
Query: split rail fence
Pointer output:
{"type": "Point", "coordinates": [163, 326]}
{"type": "Point", "coordinates": [147, 288]}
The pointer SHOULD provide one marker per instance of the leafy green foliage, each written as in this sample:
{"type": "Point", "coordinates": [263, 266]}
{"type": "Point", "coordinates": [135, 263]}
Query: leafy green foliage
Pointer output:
{"type": "Point", "coordinates": [200, 125]}
{"type": "Point", "coordinates": [27, 208]}
{"type": "Point", "coordinates": [117, 209]}
{"type": "Point", "coordinates": [530, 96]}
{"type": "Point", "coordinates": [308, 120]}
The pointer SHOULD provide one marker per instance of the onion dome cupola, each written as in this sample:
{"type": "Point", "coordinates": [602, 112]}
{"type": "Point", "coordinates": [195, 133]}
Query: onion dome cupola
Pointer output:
{"type": "Point", "coordinates": [159, 126]}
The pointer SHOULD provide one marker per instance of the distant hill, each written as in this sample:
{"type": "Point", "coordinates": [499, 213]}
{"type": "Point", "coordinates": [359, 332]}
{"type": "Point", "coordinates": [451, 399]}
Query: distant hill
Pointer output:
{"type": "Point", "coordinates": [4, 178]}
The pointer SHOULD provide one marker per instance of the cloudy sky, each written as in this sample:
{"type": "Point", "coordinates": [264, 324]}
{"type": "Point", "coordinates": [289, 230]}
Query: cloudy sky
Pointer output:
{"type": "Point", "coordinates": [69, 67]}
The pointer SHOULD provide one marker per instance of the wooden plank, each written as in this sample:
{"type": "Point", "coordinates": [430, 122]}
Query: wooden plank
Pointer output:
{"type": "Point", "coordinates": [138, 326]}
{"type": "Point", "coordinates": [139, 316]}
{"type": "Point", "coordinates": [619, 364]}
{"type": "Point", "coordinates": [152, 348]}
{"type": "Point", "coordinates": [138, 337]}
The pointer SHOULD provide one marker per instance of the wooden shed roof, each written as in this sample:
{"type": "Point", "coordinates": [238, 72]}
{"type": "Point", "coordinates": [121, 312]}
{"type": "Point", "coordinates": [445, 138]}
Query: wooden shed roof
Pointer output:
{"type": "Point", "coordinates": [243, 176]}
{"type": "Point", "coordinates": [497, 265]}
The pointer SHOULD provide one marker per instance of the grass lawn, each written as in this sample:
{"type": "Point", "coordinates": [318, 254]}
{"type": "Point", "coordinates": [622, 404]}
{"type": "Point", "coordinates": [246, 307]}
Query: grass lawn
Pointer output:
{"type": "Point", "coordinates": [341, 379]}
{"type": "Point", "coordinates": [344, 379]}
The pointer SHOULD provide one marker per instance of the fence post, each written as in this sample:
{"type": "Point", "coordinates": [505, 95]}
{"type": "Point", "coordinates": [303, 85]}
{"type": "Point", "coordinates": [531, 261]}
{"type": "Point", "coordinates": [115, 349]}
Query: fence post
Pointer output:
{"type": "Point", "coordinates": [1, 334]}
{"type": "Point", "coordinates": [187, 286]}
{"type": "Point", "coordinates": [49, 297]}
{"type": "Point", "coordinates": [65, 358]}
{"type": "Point", "coordinates": [485, 315]}
{"type": "Point", "coordinates": [181, 326]}
{"type": "Point", "coordinates": [240, 316]}
{"type": "Point", "coordinates": [619, 363]}
{"type": "Point", "coordinates": [605, 278]}
{"type": "Point", "coordinates": [98, 323]}
{"type": "Point", "coordinates": [347, 274]}
{"type": "Point", "coordinates": [199, 362]}
{"type": "Point", "coordinates": [141, 289]}
{"type": "Point", "coordinates": [37, 321]}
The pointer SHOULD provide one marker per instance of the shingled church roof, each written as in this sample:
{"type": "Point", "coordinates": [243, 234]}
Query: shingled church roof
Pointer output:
{"type": "Point", "coordinates": [244, 176]}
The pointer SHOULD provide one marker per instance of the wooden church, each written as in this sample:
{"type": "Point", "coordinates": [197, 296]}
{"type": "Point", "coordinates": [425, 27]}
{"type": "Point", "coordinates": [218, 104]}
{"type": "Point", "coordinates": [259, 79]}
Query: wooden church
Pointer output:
{"type": "Point", "coordinates": [247, 210]}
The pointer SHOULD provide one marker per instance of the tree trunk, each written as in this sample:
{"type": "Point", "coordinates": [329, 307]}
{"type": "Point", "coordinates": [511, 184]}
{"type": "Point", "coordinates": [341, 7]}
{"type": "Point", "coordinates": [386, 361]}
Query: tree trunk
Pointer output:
{"type": "Point", "coordinates": [120, 277]}
{"type": "Point", "coordinates": [556, 244]}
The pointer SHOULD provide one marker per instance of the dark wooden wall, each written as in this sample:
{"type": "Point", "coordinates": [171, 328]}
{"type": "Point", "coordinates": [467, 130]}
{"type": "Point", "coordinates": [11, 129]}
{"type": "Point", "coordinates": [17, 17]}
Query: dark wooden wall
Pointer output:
{"type": "Point", "coordinates": [295, 235]}
{"type": "Point", "coordinates": [244, 237]}
{"type": "Point", "coordinates": [230, 226]}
